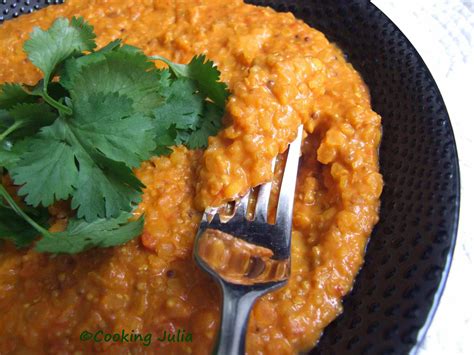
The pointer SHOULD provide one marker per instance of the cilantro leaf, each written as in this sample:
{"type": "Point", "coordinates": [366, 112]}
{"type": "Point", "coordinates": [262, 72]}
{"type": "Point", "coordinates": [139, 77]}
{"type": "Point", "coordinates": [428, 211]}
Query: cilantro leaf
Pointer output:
{"type": "Point", "coordinates": [15, 224]}
{"type": "Point", "coordinates": [123, 70]}
{"type": "Point", "coordinates": [16, 229]}
{"type": "Point", "coordinates": [12, 94]}
{"type": "Point", "coordinates": [104, 189]}
{"type": "Point", "coordinates": [110, 124]}
{"type": "Point", "coordinates": [26, 119]}
{"type": "Point", "coordinates": [165, 137]}
{"type": "Point", "coordinates": [81, 235]}
{"type": "Point", "coordinates": [47, 49]}
{"type": "Point", "coordinates": [11, 151]}
{"type": "Point", "coordinates": [205, 74]}
{"type": "Point", "coordinates": [7, 157]}
{"type": "Point", "coordinates": [46, 170]}
{"type": "Point", "coordinates": [182, 107]}
{"type": "Point", "coordinates": [88, 157]}
{"type": "Point", "coordinates": [209, 125]}
{"type": "Point", "coordinates": [186, 108]}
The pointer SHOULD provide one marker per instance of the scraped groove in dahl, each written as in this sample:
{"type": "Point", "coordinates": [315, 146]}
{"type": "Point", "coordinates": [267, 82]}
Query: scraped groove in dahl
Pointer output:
{"type": "Point", "coordinates": [278, 79]}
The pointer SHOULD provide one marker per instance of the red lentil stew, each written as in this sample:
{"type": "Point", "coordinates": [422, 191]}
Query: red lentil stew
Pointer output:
{"type": "Point", "coordinates": [281, 73]}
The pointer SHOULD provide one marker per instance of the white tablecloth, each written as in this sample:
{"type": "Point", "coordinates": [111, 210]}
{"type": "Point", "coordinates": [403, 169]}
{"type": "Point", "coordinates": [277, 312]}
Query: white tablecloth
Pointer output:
{"type": "Point", "coordinates": [443, 33]}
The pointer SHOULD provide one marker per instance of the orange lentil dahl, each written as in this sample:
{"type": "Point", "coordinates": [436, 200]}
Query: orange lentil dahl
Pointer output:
{"type": "Point", "coordinates": [281, 73]}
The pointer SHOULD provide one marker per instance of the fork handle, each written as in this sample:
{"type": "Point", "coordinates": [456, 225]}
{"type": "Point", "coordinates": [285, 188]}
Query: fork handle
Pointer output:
{"type": "Point", "coordinates": [236, 307]}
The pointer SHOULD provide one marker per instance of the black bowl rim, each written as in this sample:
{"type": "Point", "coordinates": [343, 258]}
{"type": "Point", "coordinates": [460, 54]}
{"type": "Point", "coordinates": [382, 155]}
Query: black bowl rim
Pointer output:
{"type": "Point", "coordinates": [455, 222]}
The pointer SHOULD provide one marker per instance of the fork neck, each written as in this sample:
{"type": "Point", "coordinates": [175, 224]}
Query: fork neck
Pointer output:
{"type": "Point", "coordinates": [236, 307]}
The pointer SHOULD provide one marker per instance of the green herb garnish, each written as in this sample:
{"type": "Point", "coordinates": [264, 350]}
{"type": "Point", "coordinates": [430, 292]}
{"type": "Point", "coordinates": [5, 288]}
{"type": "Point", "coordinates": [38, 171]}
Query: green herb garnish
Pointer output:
{"type": "Point", "coordinates": [78, 133]}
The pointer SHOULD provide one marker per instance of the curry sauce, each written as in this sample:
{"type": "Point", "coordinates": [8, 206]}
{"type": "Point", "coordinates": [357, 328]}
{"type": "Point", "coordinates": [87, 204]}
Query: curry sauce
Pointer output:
{"type": "Point", "coordinates": [281, 74]}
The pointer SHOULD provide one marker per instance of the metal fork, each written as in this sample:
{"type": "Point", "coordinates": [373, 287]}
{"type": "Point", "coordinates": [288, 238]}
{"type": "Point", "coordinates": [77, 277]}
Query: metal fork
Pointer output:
{"type": "Point", "coordinates": [247, 255]}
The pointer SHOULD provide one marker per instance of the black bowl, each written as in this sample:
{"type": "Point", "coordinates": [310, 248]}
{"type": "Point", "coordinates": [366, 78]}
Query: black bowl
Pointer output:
{"type": "Point", "coordinates": [398, 290]}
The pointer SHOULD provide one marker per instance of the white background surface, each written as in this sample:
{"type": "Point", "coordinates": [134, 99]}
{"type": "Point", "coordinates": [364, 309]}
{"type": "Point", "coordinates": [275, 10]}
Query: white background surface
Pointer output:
{"type": "Point", "coordinates": [443, 33]}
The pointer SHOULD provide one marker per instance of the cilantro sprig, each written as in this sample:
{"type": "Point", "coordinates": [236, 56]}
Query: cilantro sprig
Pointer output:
{"type": "Point", "coordinates": [78, 133]}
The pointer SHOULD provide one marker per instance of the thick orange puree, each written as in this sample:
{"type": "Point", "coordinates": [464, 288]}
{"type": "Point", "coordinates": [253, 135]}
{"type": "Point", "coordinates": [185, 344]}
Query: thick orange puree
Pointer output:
{"type": "Point", "coordinates": [281, 73]}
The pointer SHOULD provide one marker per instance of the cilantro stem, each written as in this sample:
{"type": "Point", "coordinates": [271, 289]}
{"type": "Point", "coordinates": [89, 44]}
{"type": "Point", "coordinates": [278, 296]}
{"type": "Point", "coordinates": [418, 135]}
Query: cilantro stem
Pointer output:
{"type": "Point", "coordinates": [177, 69]}
{"type": "Point", "coordinates": [57, 105]}
{"type": "Point", "coordinates": [4, 193]}
{"type": "Point", "coordinates": [159, 57]}
{"type": "Point", "coordinates": [10, 129]}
